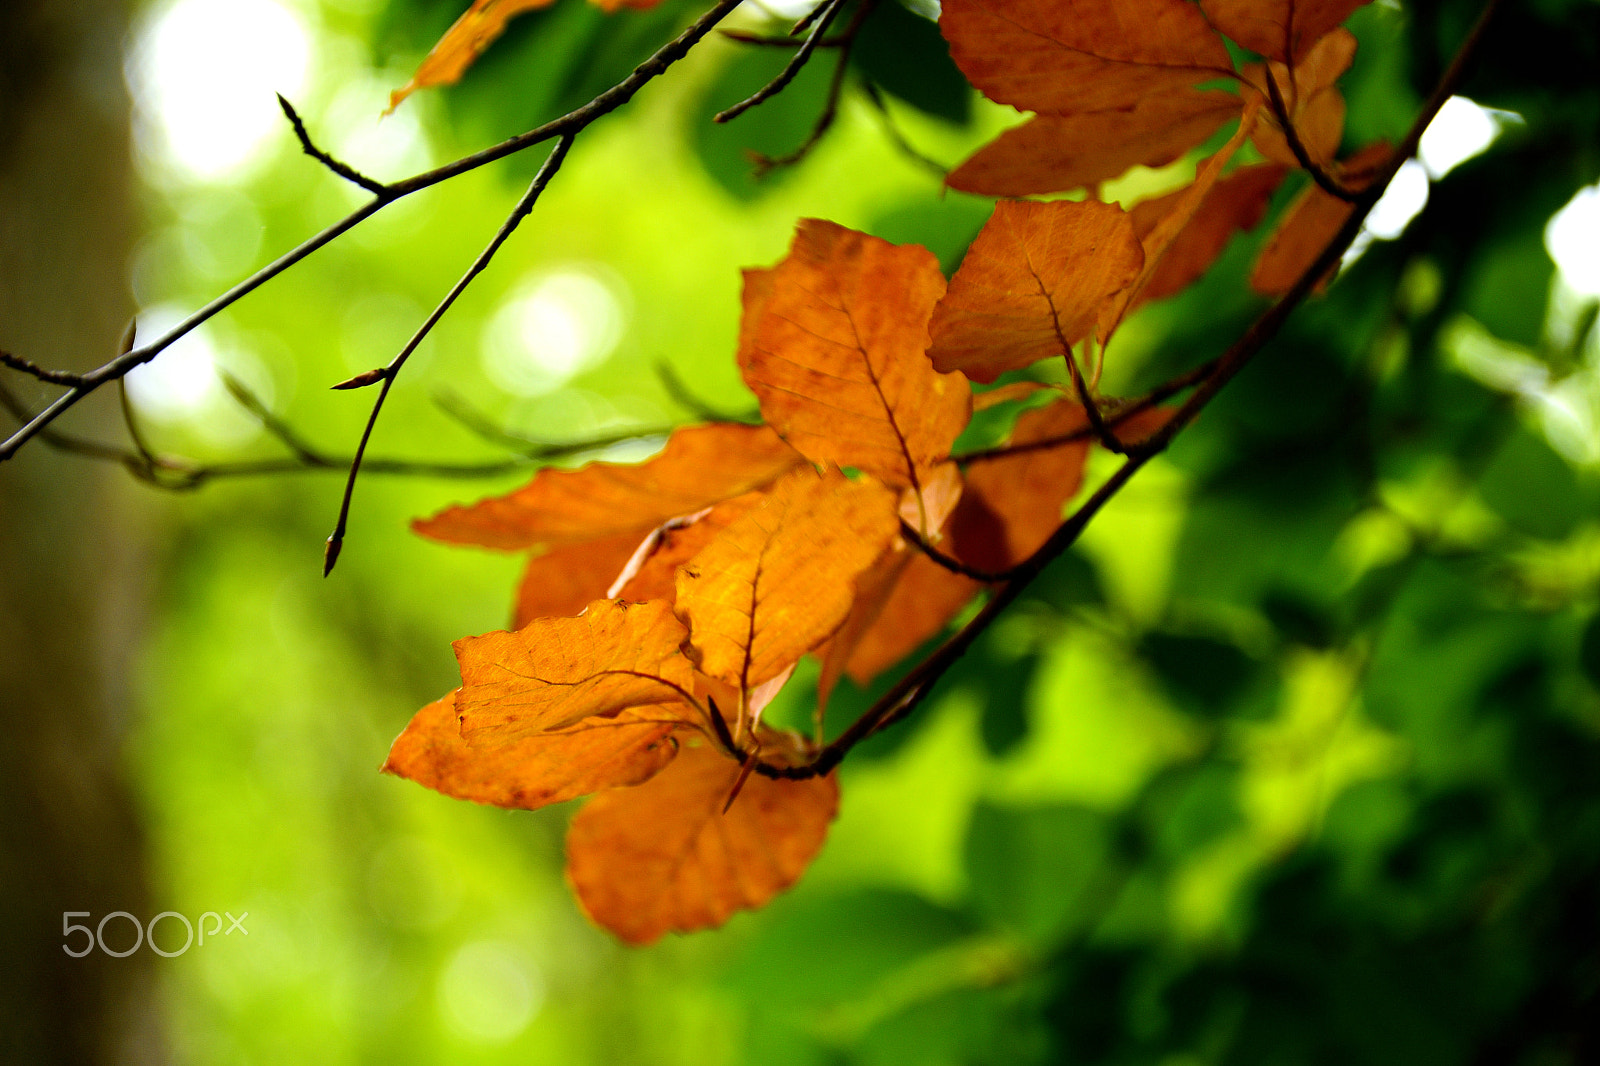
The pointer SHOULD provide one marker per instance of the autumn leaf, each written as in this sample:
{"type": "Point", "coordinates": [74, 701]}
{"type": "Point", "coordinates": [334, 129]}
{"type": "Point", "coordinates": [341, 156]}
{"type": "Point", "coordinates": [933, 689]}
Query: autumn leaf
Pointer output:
{"type": "Point", "coordinates": [1164, 234]}
{"type": "Point", "coordinates": [1032, 284]}
{"type": "Point", "coordinates": [1310, 222]}
{"type": "Point", "coordinates": [834, 345]}
{"type": "Point", "coordinates": [779, 580]}
{"type": "Point", "coordinates": [565, 580]}
{"type": "Point", "coordinates": [477, 28]}
{"type": "Point", "coordinates": [1067, 58]}
{"type": "Point", "coordinates": [1283, 30]}
{"type": "Point", "coordinates": [532, 771]}
{"type": "Point", "coordinates": [555, 672]}
{"type": "Point", "coordinates": [699, 466]}
{"type": "Point", "coordinates": [665, 856]}
{"type": "Point", "coordinates": [1055, 153]}
{"type": "Point", "coordinates": [652, 572]}
{"type": "Point", "coordinates": [1237, 202]}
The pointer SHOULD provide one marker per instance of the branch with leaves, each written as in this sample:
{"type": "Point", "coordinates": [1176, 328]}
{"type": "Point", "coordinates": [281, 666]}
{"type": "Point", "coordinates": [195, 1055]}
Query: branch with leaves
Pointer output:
{"type": "Point", "coordinates": [672, 599]}
{"type": "Point", "coordinates": [664, 605]}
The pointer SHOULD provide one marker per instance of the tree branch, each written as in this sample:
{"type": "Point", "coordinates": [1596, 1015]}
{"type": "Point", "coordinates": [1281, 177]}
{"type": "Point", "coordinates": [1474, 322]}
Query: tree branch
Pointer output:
{"type": "Point", "coordinates": [914, 687]}
{"type": "Point", "coordinates": [348, 173]}
{"type": "Point", "coordinates": [1324, 180]}
{"type": "Point", "coordinates": [567, 125]}
{"type": "Point", "coordinates": [541, 180]}
{"type": "Point", "coordinates": [824, 15]}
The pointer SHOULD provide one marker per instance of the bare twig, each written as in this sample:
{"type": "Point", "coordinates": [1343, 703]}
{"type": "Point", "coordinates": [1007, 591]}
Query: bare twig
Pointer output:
{"type": "Point", "coordinates": [830, 110]}
{"type": "Point", "coordinates": [541, 180]}
{"type": "Point", "coordinates": [949, 562]}
{"type": "Point", "coordinates": [896, 137]}
{"type": "Point", "coordinates": [170, 472]}
{"type": "Point", "coordinates": [1325, 181]}
{"type": "Point", "coordinates": [474, 420]}
{"type": "Point", "coordinates": [824, 15]}
{"type": "Point", "coordinates": [685, 398]}
{"type": "Point", "coordinates": [1123, 413]}
{"type": "Point", "coordinates": [568, 124]}
{"type": "Point", "coordinates": [52, 377]}
{"type": "Point", "coordinates": [345, 171]}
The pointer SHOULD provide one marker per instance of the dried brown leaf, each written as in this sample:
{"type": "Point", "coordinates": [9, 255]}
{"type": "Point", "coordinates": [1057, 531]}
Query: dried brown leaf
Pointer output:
{"type": "Point", "coordinates": [780, 579]}
{"type": "Point", "coordinates": [1055, 153]}
{"type": "Point", "coordinates": [555, 672]}
{"type": "Point", "coordinates": [1279, 29]}
{"type": "Point", "coordinates": [534, 771]}
{"type": "Point", "coordinates": [699, 466]}
{"type": "Point", "coordinates": [834, 344]}
{"type": "Point", "coordinates": [666, 856]}
{"type": "Point", "coordinates": [1032, 283]}
{"type": "Point", "coordinates": [1237, 202]}
{"type": "Point", "coordinates": [1066, 58]}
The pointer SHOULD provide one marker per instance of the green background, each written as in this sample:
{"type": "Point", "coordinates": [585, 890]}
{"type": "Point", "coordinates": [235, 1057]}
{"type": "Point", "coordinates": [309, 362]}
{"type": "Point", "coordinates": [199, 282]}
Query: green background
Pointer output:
{"type": "Point", "coordinates": [1292, 760]}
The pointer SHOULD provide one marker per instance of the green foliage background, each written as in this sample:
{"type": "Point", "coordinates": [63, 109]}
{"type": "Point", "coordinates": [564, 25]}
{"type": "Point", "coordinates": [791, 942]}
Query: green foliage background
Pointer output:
{"type": "Point", "coordinates": [1293, 760]}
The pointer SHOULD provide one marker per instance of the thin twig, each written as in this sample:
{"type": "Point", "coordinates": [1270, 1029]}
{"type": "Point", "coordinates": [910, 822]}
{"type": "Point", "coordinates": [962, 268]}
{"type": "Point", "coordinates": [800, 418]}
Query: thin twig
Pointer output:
{"type": "Point", "coordinates": [1325, 181]}
{"type": "Point", "coordinates": [568, 124]}
{"type": "Point", "coordinates": [830, 110]}
{"type": "Point", "coordinates": [344, 170]}
{"type": "Point", "coordinates": [895, 136]}
{"type": "Point", "coordinates": [473, 420]}
{"type": "Point", "coordinates": [1128, 410]}
{"type": "Point", "coordinates": [775, 41]}
{"type": "Point", "coordinates": [949, 562]}
{"type": "Point", "coordinates": [177, 474]}
{"type": "Point", "coordinates": [684, 397]}
{"type": "Point", "coordinates": [52, 377]}
{"type": "Point", "coordinates": [915, 686]}
{"type": "Point", "coordinates": [828, 9]}
{"type": "Point", "coordinates": [547, 170]}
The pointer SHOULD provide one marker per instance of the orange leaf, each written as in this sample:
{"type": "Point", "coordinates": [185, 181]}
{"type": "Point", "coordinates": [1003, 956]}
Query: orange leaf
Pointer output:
{"type": "Point", "coordinates": [1164, 234]}
{"type": "Point", "coordinates": [1013, 502]}
{"type": "Point", "coordinates": [477, 28]}
{"type": "Point", "coordinates": [555, 672]}
{"type": "Point", "coordinates": [780, 579]}
{"type": "Point", "coordinates": [1237, 202]}
{"type": "Point", "coordinates": [1066, 58]}
{"type": "Point", "coordinates": [1031, 284]}
{"type": "Point", "coordinates": [463, 43]}
{"type": "Point", "coordinates": [564, 581]}
{"type": "Point", "coordinates": [665, 856]}
{"type": "Point", "coordinates": [834, 344]}
{"type": "Point", "coordinates": [1311, 221]}
{"type": "Point", "coordinates": [652, 572]}
{"type": "Point", "coordinates": [699, 466]}
{"type": "Point", "coordinates": [1279, 29]}
{"type": "Point", "coordinates": [1052, 153]}
{"type": "Point", "coordinates": [534, 771]}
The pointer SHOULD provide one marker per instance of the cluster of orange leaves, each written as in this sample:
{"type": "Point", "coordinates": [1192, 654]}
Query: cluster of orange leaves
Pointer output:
{"type": "Point", "coordinates": [664, 604]}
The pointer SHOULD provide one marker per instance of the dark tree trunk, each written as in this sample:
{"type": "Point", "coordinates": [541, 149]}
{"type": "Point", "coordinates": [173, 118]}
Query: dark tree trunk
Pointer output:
{"type": "Point", "coordinates": [69, 833]}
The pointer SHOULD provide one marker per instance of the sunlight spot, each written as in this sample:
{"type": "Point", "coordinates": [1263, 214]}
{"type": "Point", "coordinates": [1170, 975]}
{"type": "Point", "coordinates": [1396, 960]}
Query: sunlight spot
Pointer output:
{"type": "Point", "coordinates": [182, 384]}
{"type": "Point", "coordinates": [553, 327]}
{"type": "Point", "coordinates": [203, 74]}
{"type": "Point", "coordinates": [1460, 130]}
{"type": "Point", "coordinates": [1573, 239]}
{"type": "Point", "coordinates": [182, 381]}
{"type": "Point", "coordinates": [490, 991]}
{"type": "Point", "coordinates": [1401, 202]}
